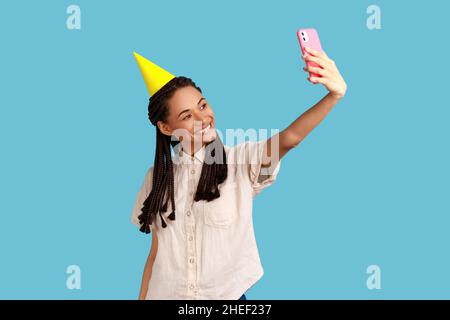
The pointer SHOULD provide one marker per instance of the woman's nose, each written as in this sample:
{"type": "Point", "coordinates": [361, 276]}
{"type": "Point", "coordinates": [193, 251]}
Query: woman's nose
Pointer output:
{"type": "Point", "coordinates": [200, 117]}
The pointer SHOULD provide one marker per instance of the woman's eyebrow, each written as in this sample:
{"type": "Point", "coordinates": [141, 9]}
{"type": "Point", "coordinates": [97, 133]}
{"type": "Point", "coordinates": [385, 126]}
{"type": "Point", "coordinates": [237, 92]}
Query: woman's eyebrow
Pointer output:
{"type": "Point", "coordinates": [185, 110]}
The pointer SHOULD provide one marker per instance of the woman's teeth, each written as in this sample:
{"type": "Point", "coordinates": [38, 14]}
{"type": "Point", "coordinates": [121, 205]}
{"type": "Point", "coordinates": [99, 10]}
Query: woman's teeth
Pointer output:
{"type": "Point", "coordinates": [206, 129]}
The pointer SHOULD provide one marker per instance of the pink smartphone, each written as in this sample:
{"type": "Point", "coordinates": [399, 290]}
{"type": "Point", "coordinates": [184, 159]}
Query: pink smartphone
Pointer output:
{"type": "Point", "coordinates": [309, 38]}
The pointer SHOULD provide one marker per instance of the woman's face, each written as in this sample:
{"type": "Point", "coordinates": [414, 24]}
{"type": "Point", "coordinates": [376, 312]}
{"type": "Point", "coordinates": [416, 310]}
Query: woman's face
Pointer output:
{"type": "Point", "coordinates": [190, 119]}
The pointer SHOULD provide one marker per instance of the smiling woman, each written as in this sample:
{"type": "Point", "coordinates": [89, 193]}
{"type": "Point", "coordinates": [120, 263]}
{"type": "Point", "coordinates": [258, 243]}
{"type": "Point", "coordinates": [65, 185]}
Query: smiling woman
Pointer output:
{"type": "Point", "coordinates": [210, 192]}
{"type": "Point", "coordinates": [215, 205]}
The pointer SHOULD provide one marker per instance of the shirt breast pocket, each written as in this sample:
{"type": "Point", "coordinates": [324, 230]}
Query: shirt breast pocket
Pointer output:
{"type": "Point", "coordinates": [221, 212]}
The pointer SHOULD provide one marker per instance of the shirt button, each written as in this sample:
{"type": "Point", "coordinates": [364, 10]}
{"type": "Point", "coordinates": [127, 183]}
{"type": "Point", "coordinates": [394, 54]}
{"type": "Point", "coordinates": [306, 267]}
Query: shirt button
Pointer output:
{"type": "Point", "coordinates": [190, 238]}
{"type": "Point", "coordinates": [191, 193]}
{"type": "Point", "coordinates": [191, 286]}
{"type": "Point", "coordinates": [192, 171]}
{"type": "Point", "coordinates": [191, 260]}
{"type": "Point", "coordinates": [188, 213]}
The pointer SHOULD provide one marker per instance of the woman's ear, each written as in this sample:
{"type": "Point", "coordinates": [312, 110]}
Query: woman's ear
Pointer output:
{"type": "Point", "coordinates": [164, 128]}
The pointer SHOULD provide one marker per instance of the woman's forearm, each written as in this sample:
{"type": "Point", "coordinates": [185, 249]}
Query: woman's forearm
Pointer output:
{"type": "Point", "coordinates": [290, 137]}
{"type": "Point", "coordinates": [305, 123]}
{"type": "Point", "coordinates": [146, 277]}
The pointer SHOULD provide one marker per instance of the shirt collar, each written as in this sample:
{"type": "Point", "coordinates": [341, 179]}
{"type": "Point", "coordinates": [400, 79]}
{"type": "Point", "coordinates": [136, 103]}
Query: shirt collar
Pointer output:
{"type": "Point", "coordinates": [186, 158]}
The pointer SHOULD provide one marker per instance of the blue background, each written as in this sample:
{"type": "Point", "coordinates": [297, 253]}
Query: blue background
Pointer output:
{"type": "Point", "coordinates": [368, 186]}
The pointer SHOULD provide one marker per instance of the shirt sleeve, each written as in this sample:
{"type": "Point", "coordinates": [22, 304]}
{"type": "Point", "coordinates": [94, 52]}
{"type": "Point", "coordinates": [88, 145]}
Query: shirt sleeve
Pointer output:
{"type": "Point", "coordinates": [260, 177]}
{"type": "Point", "coordinates": [141, 196]}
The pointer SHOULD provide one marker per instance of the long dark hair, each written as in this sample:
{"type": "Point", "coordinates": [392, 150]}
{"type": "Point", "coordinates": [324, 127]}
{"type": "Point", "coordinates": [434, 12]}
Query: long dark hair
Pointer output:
{"type": "Point", "coordinates": [213, 172]}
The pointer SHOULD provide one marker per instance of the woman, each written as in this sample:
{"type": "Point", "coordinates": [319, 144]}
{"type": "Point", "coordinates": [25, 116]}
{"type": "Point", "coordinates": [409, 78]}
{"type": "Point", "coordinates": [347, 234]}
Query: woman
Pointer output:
{"type": "Point", "coordinates": [198, 202]}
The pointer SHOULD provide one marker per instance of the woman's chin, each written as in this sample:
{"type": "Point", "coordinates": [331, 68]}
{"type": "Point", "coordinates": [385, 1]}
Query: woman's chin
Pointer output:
{"type": "Point", "coordinates": [209, 136]}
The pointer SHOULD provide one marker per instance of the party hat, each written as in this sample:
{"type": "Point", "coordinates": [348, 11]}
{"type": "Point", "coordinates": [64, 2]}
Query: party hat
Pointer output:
{"type": "Point", "coordinates": [155, 77]}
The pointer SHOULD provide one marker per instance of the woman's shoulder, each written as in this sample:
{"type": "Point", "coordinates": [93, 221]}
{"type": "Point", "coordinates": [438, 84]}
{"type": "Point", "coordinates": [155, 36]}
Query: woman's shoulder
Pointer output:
{"type": "Point", "coordinates": [242, 152]}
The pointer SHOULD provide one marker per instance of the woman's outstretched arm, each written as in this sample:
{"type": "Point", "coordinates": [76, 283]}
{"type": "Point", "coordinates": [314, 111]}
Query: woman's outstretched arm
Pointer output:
{"type": "Point", "coordinates": [278, 145]}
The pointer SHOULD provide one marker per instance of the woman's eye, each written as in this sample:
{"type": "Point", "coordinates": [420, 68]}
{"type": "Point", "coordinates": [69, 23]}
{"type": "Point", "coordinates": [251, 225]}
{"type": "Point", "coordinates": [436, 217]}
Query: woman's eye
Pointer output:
{"type": "Point", "coordinates": [204, 106]}
{"type": "Point", "coordinates": [187, 117]}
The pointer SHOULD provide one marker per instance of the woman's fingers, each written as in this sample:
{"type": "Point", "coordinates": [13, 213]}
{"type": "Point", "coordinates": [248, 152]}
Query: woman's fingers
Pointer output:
{"type": "Point", "coordinates": [316, 53]}
{"type": "Point", "coordinates": [321, 62]}
{"type": "Point", "coordinates": [324, 63]}
{"type": "Point", "coordinates": [316, 70]}
{"type": "Point", "coordinates": [314, 59]}
{"type": "Point", "coordinates": [315, 80]}
{"type": "Point", "coordinates": [321, 54]}
{"type": "Point", "coordinates": [312, 51]}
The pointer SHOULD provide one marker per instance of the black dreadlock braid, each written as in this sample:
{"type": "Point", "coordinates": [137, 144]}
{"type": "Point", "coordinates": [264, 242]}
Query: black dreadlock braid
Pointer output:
{"type": "Point", "coordinates": [211, 176]}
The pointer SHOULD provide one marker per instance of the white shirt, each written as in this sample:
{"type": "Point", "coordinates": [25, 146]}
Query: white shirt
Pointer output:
{"type": "Point", "coordinates": [209, 251]}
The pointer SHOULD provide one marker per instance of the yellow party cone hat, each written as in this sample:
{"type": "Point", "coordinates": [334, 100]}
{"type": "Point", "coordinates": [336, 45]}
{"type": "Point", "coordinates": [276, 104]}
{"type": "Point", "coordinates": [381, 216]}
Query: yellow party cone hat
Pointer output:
{"type": "Point", "coordinates": [155, 77]}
